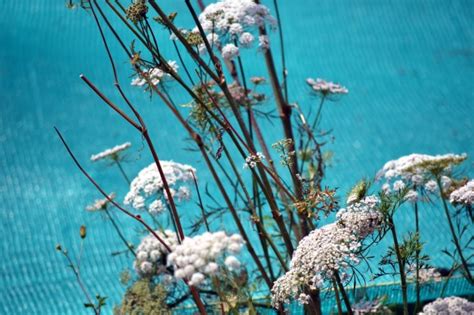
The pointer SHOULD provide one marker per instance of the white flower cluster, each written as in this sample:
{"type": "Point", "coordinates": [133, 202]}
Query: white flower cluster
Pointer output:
{"type": "Point", "coordinates": [111, 153]}
{"type": "Point", "coordinates": [364, 307]}
{"type": "Point", "coordinates": [229, 20]}
{"type": "Point", "coordinates": [330, 248]}
{"type": "Point", "coordinates": [151, 253]}
{"type": "Point", "coordinates": [149, 185]}
{"type": "Point", "coordinates": [414, 170]}
{"type": "Point", "coordinates": [100, 204]}
{"type": "Point", "coordinates": [414, 166]}
{"type": "Point", "coordinates": [361, 217]}
{"type": "Point", "coordinates": [425, 274]}
{"type": "Point", "coordinates": [155, 75]}
{"type": "Point", "coordinates": [200, 256]}
{"type": "Point", "coordinates": [252, 160]}
{"type": "Point", "coordinates": [326, 87]}
{"type": "Point", "coordinates": [449, 306]}
{"type": "Point", "coordinates": [464, 194]}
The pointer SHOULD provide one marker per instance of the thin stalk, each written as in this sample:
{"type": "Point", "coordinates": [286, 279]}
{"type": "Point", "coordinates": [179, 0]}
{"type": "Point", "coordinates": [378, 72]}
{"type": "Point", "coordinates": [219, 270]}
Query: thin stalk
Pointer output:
{"type": "Point", "coordinates": [453, 233]}
{"type": "Point", "coordinates": [417, 258]}
{"type": "Point", "coordinates": [338, 299]}
{"type": "Point", "coordinates": [119, 232]}
{"type": "Point", "coordinates": [122, 171]}
{"type": "Point", "coordinates": [201, 205]}
{"type": "Point", "coordinates": [345, 298]}
{"type": "Point", "coordinates": [282, 50]}
{"type": "Point", "coordinates": [79, 281]}
{"type": "Point", "coordinates": [401, 266]}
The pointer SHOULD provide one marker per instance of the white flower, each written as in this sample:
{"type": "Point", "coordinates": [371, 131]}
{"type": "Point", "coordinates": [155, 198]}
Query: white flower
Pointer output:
{"type": "Point", "coordinates": [155, 75]}
{"type": "Point", "coordinates": [230, 51]}
{"type": "Point", "coordinates": [149, 185]}
{"type": "Point", "coordinates": [246, 39]}
{"type": "Point", "coordinates": [407, 167]}
{"type": "Point", "coordinates": [411, 196]}
{"type": "Point", "coordinates": [252, 160]}
{"type": "Point", "coordinates": [151, 253]}
{"type": "Point", "coordinates": [328, 249]}
{"type": "Point", "coordinates": [326, 87]}
{"type": "Point", "coordinates": [425, 274]}
{"type": "Point", "coordinates": [464, 194]}
{"type": "Point", "coordinates": [111, 153]}
{"type": "Point", "coordinates": [232, 263]}
{"type": "Point", "coordinates": [398, 186]}
{"type": "Point", "coordinates": [431, 186]}
{"type": "Point", "coordinates": [449, 306]}
{"type": "Point", "coordinates": [199, 257]}
{"type": "Point", "coordinates": [100, 204]}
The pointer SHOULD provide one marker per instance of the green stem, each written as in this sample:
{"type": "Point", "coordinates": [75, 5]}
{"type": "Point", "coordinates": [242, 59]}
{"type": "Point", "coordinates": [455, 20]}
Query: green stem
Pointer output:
{"type": "Point", "coordinates": [401, 266]}
{"type": "Point", "coordinates": [119, 232]}
{"type": "Point", "coordinates": [345, 298]}
{"type": "Point", "coordinates": [453, 233]}
{"type": "Point", "coordinates": [417, 259]}
{"type": "Point", "coordinates": [338, 299]}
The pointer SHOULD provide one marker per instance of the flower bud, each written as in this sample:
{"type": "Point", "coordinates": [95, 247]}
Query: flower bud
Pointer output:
{"type": "Point", "coordinates": [83, 231]}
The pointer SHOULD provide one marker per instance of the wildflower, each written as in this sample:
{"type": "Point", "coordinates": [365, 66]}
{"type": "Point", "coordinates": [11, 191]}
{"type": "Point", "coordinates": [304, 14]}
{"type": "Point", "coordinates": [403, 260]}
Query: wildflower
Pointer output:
{"type": "Point", "coordinates": [464, 194]}
{"type": "Point", "coordinates": [431, 186]}
{"type": "Point", "coordinates": [112, 153]}
{"type": "Point", "coordinates": [154, 76]}
{"type": "Point", "coordinates": [425, 274]}
{"type": "Point", "coordinates": [328, 249]}
{"type": "Point", "coordinates": [200, 256]}
{"type": "Point", "coordinates": [83, 231]}
{"type": "Point", "coordinates": [151, 253]}
{"type": "Point", "coordinates": [246, 39]}
{"type": "Point", "coordinates": [137, 11]}
{"type": "Point", "coordinates": [326, 88]}
{"type": "Point", "coordinates": [149, 185]}
{"type": "Point", "coordinates": [252, 160]}
{"type": "Point", "coordinates": [411, 196]}
{"type": "Point", "coordinates": [100, 204]}
{"type": "Point", "coordinates": [370, 307]}
{"type": "Point", "coordinates": [236, 19]}
{"type": "Point", "coordinates": [450, 305]}
{"type": "Point", "coordinates": [230, 51]}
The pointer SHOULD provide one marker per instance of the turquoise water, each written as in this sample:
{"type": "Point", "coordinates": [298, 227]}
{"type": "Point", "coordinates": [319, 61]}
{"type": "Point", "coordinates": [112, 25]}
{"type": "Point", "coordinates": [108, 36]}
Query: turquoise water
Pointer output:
{"type": "Point", "coordinates": [408, 65]}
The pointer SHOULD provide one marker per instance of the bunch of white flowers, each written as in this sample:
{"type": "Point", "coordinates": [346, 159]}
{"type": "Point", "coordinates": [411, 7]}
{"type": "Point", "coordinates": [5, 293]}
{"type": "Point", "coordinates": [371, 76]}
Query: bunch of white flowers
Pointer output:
{"type": "Point", "coordinates": [326, 87]}
{"type": "Point", "coordinates": [235, 20]}
{"type": "Point", "coordinates": [111, 153]}
{"type": "Point", "coordinates": [450, 306]}
{"type": "Point", "coordinates": [365, 307]}
{"type": "Point", "coordinates": [362, 218]}
{"type": "Point", "coordinates": [464, 194]}
{"type": "Point", "coordinates": [328, 249]}
{"type": "Point", "coordinates": [155, 75]}
{"type": "Point", "coordinates": [425, 274]}
{"type": "Point", "coordinates": [252, 160]}
{"type": "Point", "coordinates": [201, 256]}
{"type": "Point", "coordinates": [149, 185]}
{"type": "Point", "coordinates": [416, 170]}
{"type": "Point", "coordinates": [415, 166]}
{"type": "Point", "coordinates": [151, 253]}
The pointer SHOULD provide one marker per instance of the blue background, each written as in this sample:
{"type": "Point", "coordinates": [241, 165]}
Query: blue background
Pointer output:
{"type": "Point", "coordinates": [408, 65]}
